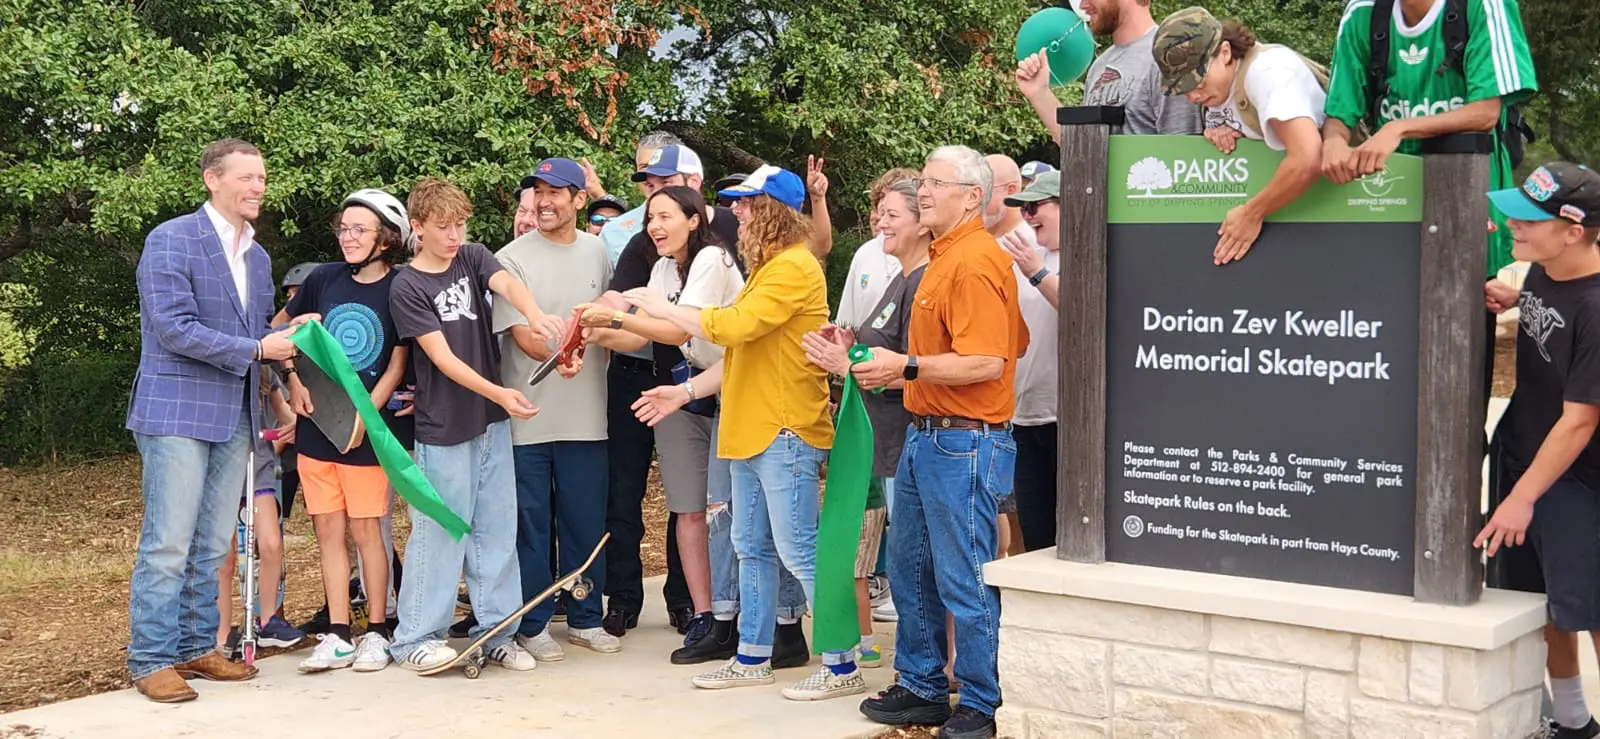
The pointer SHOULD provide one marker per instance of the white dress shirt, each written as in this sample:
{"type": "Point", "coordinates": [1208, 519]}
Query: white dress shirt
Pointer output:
{"type": "Point", "coordinates": [234, 252]}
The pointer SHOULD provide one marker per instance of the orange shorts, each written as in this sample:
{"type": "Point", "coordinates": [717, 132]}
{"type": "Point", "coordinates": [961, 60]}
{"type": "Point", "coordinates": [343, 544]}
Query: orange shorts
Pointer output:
{"type": "Point", "coordinates": [330, 487]}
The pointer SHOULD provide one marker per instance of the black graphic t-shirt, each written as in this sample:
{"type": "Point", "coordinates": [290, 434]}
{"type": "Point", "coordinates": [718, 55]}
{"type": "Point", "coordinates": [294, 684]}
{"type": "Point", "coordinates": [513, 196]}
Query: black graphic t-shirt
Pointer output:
{"type": "Point", "coordinates": [452, 302]}
{"type": "Point", "coordinates": [1558, 360]}
{"type": "Point", "coordinates": [357, 315]}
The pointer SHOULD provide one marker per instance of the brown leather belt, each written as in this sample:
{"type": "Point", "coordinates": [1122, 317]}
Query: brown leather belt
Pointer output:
{"type": "Point", "coordinates": [935, 423]}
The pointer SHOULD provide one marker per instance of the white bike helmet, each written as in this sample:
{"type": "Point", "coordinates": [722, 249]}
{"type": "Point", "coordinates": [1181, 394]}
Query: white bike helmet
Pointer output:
{"type": "Point", "coordinates": [390, 211]}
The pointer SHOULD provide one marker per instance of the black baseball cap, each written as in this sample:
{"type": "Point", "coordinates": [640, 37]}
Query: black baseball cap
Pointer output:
{"type": "Point", "coordinates": [1554, 190]}
{"type": "Point", "coordinates": [606, 201]}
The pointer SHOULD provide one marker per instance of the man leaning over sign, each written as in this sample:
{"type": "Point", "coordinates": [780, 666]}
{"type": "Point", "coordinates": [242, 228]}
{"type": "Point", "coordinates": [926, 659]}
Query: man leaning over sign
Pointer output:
{"type": "Point", "coordinates": [1250, 90]}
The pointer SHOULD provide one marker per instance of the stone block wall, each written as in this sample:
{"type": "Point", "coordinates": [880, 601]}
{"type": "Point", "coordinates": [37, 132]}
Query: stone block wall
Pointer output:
{"type": "Point", "coordinates": [1078, 668]}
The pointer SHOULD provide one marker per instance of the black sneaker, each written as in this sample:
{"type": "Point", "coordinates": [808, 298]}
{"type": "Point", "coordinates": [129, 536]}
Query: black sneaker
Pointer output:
{"type": "Point", "coordinates": [617, 623]}
{"type": "Point", "coordinates": [680, 618]}
{"type": "Point", "coordinates": [561, 612]}
{"type": "Point", "coordinates": [697, 628]}
{"type": "Point", "coordinates": [460, 629]}
{"type": "Point", "coordinates": [317, 624]}
{"type": "Point", "coordinates": [1589, 730]}
{"type": "Point", "coordinates": [967, 723]}
{"type": "Point", "coordinates": [900, 707]}
{"type": "Point", "coordinates": [718, 644]}
{"type": "Point", "coordinates": [789, 648]}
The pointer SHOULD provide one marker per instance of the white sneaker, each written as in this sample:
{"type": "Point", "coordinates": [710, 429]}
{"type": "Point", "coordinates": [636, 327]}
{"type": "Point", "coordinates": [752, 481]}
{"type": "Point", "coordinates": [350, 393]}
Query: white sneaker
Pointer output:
{"type": "Point", "coordinates": [543, 647]}
{"type": "Point", "coordinates": [372, 653]}
{"type": "Point", "coordinates": [512, 657]}
{"type": "Point", "coordinates": [331, 653]}
{"type": "Point", "coordinates": [823, 684]}
{"type": "Point", "coordinates": [734, 674]}
{"type": "Point", "coordinates": [428, 655]}
{"type": "Point", "coordinates": [877, 590]}
{"type": "Point", "coordinates": [596, 639]}
{"type": "Point", "coordinates": [885, 613]}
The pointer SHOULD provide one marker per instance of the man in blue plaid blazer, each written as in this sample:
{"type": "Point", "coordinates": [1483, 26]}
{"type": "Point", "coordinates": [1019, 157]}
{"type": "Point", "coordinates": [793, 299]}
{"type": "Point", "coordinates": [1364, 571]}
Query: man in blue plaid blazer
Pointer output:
{"type": "Point", "coordinates": [205, 299]}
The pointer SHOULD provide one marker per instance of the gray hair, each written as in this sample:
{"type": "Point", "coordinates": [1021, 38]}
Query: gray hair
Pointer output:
{"type": "Point", "coordinates": [970, 167]}
{"type": "Point", "coordinates": [657, 139]}
{"type": "Point", "coordinates": [908, 188]}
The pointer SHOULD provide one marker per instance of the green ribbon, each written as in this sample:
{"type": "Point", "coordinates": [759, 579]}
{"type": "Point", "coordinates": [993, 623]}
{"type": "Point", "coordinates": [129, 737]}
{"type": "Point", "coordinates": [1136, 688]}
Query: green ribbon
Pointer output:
{"type": "Point", "coordinates": [836, 624]}
{"type": "Point", "coordinates": [319, 346]}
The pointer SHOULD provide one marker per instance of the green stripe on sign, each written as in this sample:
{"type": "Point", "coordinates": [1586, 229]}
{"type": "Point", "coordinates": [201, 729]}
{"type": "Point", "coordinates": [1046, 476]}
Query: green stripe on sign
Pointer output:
{"type": "Point", "coordinates": [1184, 179]}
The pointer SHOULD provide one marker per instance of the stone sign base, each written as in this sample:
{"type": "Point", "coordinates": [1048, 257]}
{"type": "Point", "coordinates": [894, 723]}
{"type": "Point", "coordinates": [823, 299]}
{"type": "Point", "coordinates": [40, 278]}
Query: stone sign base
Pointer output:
{"type": "Point", "coordinates": [1125, 651]}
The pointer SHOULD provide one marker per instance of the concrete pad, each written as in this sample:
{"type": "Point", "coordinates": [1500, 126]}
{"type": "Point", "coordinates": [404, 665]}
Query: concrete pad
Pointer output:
{"type": "Point", "coordinates": [635, 692]}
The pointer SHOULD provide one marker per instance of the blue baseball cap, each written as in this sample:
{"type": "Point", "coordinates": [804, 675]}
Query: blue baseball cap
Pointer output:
{"type": "Point", "coordinates": [553, 171]}
{"type": "Point", "coordinates": [670, 160]}
{"type": "Point", "coordinates": [784, 186]}
{"type": "Point", "coordinates": [1554, 190]}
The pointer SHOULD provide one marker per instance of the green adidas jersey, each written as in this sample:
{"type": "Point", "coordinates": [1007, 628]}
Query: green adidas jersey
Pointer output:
{"type": "Point", "coordinates": [1496, 61]}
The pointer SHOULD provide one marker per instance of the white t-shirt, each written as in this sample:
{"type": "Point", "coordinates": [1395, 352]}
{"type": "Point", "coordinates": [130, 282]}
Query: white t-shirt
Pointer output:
{"type": "Point", "coordinates": [1282, 88]}
{"type": "Point", "coordinates": [1039, 367]}
{"type": "Point", "coordinates": [871, 271]}
{"type": "Point", "coordinates": [714, 282]}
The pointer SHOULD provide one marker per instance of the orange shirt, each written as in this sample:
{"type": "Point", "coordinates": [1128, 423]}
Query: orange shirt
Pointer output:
{"type": "Point", "coordinates": [967, 304]}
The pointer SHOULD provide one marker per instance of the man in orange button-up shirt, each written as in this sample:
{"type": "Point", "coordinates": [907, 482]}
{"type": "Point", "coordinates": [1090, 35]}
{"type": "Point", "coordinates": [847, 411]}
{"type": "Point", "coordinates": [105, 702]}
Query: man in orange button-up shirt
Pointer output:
{"type": "Point", "coordinates": [966, 333]}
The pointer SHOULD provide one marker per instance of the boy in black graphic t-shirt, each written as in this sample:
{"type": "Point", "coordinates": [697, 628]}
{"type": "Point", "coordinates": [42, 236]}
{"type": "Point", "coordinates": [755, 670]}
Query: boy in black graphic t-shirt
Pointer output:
{"type": "Point", "coordinates": [463, 437]}
{"type": "Point", "coordinates": [1547, 448]}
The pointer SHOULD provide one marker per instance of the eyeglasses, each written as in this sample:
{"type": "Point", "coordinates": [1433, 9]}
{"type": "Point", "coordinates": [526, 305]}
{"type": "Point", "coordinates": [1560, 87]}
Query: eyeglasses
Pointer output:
{"type": "Point", "coordinates": [1032, 209]}
{"type": "Point", "coordinates": [339, 232]}
{"type": "Point", "coordinates": [600, 220]}
{"type": "Point", "coordinates": [938, 183]}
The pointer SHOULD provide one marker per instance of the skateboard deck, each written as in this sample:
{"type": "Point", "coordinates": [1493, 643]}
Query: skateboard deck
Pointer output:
{"type": "Point", "coordinates": [472, 659]}
{"type": "Point", "coordinates": [571, 346]}
{"type": "Point", "coordinates": [333, 414]}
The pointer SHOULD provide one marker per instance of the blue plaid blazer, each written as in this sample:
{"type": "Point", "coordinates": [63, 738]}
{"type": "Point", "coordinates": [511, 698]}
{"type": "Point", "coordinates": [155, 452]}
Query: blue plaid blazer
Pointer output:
{"type": "Point", "coordinates": [197, 342]}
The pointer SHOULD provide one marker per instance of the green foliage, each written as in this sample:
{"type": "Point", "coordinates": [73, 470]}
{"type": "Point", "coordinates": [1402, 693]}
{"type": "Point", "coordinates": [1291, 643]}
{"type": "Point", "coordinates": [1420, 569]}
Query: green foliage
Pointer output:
{"type": "Point", "coordinates": [65, 408]}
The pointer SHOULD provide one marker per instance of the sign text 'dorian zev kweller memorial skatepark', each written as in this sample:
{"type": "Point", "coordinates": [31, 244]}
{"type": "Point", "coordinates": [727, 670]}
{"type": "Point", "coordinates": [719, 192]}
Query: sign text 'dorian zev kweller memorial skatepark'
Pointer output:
{"type": "Point", "coordinates": [1261, 417]}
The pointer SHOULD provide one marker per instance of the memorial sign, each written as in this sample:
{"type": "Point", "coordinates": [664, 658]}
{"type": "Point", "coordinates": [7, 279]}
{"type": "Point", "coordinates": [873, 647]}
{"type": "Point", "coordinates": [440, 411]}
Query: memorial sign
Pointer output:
{"type": "Point", "coordinates": [1261, 417]}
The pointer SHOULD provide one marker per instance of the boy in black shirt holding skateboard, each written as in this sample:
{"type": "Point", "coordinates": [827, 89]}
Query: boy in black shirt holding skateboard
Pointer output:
{"type": "Point", "coordinates": [1547, 452]}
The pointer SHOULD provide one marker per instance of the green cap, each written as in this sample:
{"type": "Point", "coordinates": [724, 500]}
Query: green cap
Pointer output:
{"type": "Point", "coordinates": [1184, 46]}
{"type": "Point", "coordinates": [1043, 187]}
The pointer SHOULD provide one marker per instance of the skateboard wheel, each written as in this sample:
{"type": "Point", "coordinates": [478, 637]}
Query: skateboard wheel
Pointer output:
{"type": "Point", "coordinates": [472, 671]}
{"type": "Point", "coordinates": [580, 591]}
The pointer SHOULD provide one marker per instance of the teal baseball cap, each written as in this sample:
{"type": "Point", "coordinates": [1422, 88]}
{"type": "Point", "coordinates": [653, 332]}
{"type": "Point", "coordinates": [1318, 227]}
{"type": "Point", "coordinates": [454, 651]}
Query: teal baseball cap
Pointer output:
{"type": "Point", "coordinates": [1554, 190]}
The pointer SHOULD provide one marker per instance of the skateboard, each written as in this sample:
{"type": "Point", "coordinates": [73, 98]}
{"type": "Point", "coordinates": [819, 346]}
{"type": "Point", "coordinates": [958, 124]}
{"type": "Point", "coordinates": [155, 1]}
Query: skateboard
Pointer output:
{"type": "Point", "coordinates": [472, 659]}
{"type": "Point", "coordinates": [572, 347]}
{"type": "Point", "coordinates": [332, 412]}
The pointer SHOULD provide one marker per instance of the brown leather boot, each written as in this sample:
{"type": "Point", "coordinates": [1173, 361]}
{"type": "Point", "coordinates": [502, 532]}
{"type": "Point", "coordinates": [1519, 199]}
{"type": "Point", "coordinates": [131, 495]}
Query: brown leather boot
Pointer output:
{"type": "Point", "coordinates": [165, 686]}
{"type": "Point", "coordinates": [214, 666]}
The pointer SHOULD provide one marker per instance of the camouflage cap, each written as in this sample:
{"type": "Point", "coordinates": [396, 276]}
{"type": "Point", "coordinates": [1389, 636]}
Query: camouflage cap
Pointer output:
{"type": "Point", "coordinates": [1184, 46]}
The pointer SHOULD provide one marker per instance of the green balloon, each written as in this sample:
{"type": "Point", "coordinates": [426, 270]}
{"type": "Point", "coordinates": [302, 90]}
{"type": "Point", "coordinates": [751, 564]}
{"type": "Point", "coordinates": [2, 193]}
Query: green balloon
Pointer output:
{"type": "Point", "coordinates": [1064, 37]}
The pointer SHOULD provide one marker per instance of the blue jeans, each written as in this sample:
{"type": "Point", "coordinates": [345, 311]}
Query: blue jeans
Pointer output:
{"type": "Point", "coordinates": [574, 474]}
{"type": "Point", "coordinates": [724, 561]}
{"type": "Point", "coordinates": [192, 492]}
{"type": "Point", "coordinates": [947, 495]}
{"type": "Point", "coordinates": [474, 479]}
{"type": "Point", "coordinates": [776, 502]}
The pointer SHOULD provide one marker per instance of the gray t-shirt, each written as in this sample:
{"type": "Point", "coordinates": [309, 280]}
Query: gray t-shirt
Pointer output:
{"type": "Point", "coordinates": [560, 277]}
{"type": "Point", "coordinates": [887, 328]}
{"type": "Point", "coordinates": [1127, 75]}
{"type": "Point", "coordinates": [452, 302]}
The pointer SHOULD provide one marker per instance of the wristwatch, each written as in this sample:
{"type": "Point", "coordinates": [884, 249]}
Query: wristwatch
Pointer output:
{"type": "Point", "coordinates": [1039, 276]}
{"type": "Point", "coordinates": [910, 371]}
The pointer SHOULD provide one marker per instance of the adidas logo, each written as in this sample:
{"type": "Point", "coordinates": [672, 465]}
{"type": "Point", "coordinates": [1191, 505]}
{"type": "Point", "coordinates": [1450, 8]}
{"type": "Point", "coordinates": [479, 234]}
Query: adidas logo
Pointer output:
{"type": "Point", "coordinates": [1414, 55]}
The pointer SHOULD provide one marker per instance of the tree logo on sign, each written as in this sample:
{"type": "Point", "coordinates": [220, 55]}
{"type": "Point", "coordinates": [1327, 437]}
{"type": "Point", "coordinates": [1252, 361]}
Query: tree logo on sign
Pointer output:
{"type": "Point", "coordinates": [1148, 175]}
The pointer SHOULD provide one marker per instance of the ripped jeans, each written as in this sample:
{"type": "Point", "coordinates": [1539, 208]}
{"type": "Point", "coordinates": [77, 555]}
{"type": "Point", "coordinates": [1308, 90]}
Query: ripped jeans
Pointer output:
{"type": "Point", "coordinates": [724, 562]}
